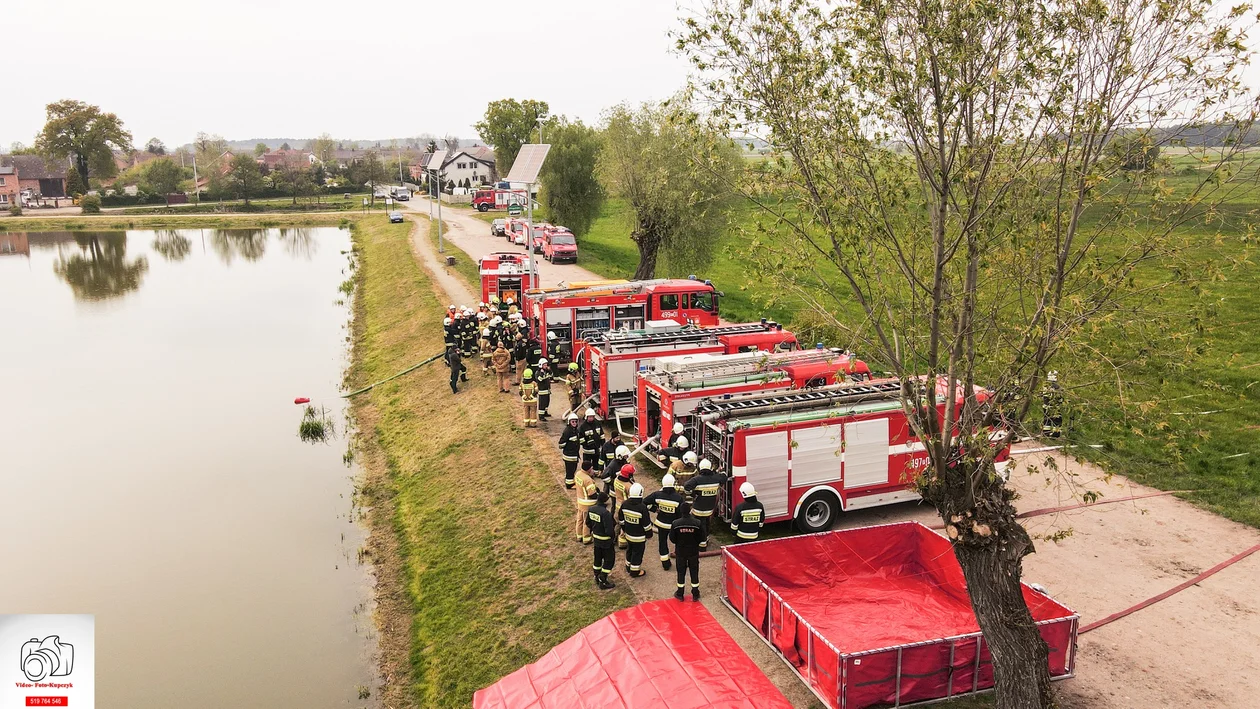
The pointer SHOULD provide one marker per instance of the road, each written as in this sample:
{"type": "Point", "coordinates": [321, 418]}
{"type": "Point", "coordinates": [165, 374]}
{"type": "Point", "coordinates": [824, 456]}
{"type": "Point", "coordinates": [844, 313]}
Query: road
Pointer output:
{"type": "Point", "coordinates": [472, 235]}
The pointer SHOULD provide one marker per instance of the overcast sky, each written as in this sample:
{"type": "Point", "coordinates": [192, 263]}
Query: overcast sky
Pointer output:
{"type": "Point", "coordinates": [297, 68]}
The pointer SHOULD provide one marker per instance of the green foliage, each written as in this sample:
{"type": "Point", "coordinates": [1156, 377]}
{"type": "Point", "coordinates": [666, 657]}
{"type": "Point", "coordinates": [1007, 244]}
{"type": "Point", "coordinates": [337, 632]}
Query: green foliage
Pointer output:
{"type": "Point", "coordinates": [675, 174]}
{"type": "Point", "coordinates": [84, 134]}
{"type": "Point", "coordinates": [260, 149]}
{"type": "Point", "coordinates": [208, 148]}
{"type": "Point", "coordinates": [75, 184]}
{"type": "Point", "coordinates": [15, 210]}
{"type": "Point", "coordinates": [244, 179]}
{"type": "Point", "coordinates": [570, 190]}
{"type": "Point", "coordinates": [507, 125]}
{"type": "Point", "coordinates": [155, 147]}
{"type": "Point", "coordinates": [162, 176]}
{"type": "Point", "coordinates": [91, 204]}
{"type": "Point", "coordinates": [322, 147]}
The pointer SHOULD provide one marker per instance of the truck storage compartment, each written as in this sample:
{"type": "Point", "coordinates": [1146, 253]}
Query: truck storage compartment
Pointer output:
{"type": "Point", "coordinates": [876, 615]}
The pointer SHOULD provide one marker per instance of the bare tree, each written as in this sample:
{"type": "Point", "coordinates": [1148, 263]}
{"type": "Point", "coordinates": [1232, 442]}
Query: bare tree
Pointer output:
{"type": "Point", "coordinates": [943, 189]}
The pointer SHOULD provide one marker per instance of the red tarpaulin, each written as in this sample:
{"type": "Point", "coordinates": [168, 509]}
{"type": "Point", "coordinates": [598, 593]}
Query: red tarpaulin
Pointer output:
{"type": "Point", "coordinates": [657, 654]}
{"type": "Point", "coordinates": [868, 594]}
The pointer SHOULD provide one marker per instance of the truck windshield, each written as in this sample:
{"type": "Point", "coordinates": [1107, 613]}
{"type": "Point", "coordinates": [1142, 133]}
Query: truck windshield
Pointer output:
{"type": "Point", "coordinates": [563, 239]}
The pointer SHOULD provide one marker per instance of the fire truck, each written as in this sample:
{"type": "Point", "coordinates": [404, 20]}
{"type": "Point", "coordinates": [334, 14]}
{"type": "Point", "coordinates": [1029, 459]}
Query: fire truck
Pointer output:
{"type": "Point", "coordinates": [674, 386]}
{"type": "Point", "coordinates": [580, 311]}
{"type": "Point", "coordinates": [814, 454]}
{"type": "Point", "coordinates": [505, 273]}
{"type": "Point", "coordinates": [612, 360]}
{"type": "Point", "coordinates": [485, 200]}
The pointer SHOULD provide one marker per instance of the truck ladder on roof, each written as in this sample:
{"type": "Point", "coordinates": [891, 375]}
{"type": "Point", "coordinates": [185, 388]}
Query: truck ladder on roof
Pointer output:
{"type": "Point", "coordinates": [714, 409]}
{"type": "Point", "coordinates": [611, 288]}
{"type": "Point", "coordinates": [770, 362]}
{"type": "Point", "coordinates": [631, 342]}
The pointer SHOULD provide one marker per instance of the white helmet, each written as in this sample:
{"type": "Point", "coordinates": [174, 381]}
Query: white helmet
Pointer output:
{"type": "Point", "coordinates": [497, 320]}
{"type": "Point", "coordinates": [542, 360]}
{"type": "Point", "coordinates": [667, 481]}
{"type": "Point", "coordinates": [485, 332]}
{"type": "Point", "coordinates": [551, 336]}
{"type": "Point", "coordinates": [747, 490]}
{"type": "Point", "coordinates": [622, 452]}
{"type": "Point", "coordinates": [591, 412]}
{"type": "Point", "coordinates": [481, 305]}
{"type": "Point", "coordinates": [678, 427]}
{"type": "Point", "coordinates": [636, 490]}
{"type": "Point", "coordinates": [482, 316]}
{"type": "Point", "coordinates": [682, 442]}
{"type": "Point", "coordinates": [571, 417]}
{"type": "Point", "coordinates": [706, 465]}
{"type": "Point", "coordinates": [451, 306]}
{"type": "Point", "coordinates": [690, 457]}
{"type": "Point", "coordinates": [446, 321]}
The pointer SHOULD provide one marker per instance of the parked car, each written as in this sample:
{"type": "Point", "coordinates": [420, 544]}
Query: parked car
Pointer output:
{"type": "Point", "coordinates": [560, 246]}
{"type": "Point", "coordinates": [498, 227]}
{"type": "Point", "coordinates": [395, 217]}
{"type": "Point", "coordinates": [515, 231]}
{"type": "Point", "coordinates": [540, 234]}
{"type": "Point", "coordinates": [380, 193]}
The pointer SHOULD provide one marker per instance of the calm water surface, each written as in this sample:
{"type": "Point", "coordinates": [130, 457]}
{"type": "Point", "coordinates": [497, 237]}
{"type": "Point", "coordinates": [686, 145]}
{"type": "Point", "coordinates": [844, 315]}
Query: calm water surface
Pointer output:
{"type": "Point", "coordinates": [150, 470]}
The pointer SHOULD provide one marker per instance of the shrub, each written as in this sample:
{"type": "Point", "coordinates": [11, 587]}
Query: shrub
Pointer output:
{"type": "Point", "coordinates": [91, 204]}
{"type": "Point", "coordinates": [15, 210]}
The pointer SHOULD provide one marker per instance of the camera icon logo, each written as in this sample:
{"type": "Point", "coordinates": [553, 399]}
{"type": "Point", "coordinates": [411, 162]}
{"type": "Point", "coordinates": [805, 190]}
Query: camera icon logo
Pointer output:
{"type": "Point", "coordinates": [47, 658]}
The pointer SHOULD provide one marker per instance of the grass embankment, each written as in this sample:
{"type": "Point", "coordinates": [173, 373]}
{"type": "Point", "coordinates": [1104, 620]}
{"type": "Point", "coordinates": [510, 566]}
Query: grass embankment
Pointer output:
{"type": "Point", "coordinates": [465, 264]}
{"type": "Point", "coordinates": [1208, 438]}
{"type": "Point", "coordinates": [488, 577]}
{"type": "Point", "coordinates": [220, 221]}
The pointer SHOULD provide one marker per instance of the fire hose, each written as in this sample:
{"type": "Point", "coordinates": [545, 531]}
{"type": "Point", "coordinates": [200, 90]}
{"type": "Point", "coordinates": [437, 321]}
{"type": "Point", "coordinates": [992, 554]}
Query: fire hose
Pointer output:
{"type": "Point", "coordinates": [408, 370]}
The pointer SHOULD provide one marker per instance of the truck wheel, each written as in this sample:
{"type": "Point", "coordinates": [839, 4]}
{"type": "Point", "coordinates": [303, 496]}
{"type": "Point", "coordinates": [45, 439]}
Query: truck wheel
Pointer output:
{"type": "Point", "coordinates": [818, 512]}
{"type": "Point", "coordinates": [483, 207]}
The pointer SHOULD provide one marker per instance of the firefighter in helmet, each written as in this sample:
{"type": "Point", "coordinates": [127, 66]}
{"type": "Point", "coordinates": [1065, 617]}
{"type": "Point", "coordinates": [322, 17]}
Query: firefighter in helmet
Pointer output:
{"type": "Point", "coordinates": [553, 347]}
{"type": "Point", "coordinates": [573, 383]}
{"type": "Point", "coordinates": [587, 496]}
{"type": "Point", "coordinates": [543, 376]}
{"type": "Point", "coordinates": [688, 535]}
{"type": "Point", "coordinates": [636, 528]}
{"type": "Point", "coordinates": [704, 489]}
{"type": "Point", "coordinates": [665, 503]}
{"type": "Point", "coordinates": [485, 348]}
{"type": "Point", "coordinates": [592, 437]}
{"type": "Point", "coordinates": [570, 448]}
{"type": "Point", "coordinates": [602, 525]}
{"type": "Point", "coordinates": [684, 469]}
{"type": "Point", "coordinates": [529, 397]}
{"type": "Point", "coordinates": [1052, 407]}
{"type": "Point", "coordinates": [749, 516]}
{"type": "Point", "coordinates": [674, 434]}
{"type": "Point", "coordinates": [621, 492]}
{"type": "Point", "coordinates": [676, 451]}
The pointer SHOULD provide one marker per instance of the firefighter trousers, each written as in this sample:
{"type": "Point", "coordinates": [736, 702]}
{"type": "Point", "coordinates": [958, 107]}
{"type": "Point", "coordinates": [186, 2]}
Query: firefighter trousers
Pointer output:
{"type": "Point", "coordinates": [531, 413]}
{"type": "Point", "coordinates": [544, 403]}
{"type": "Point", "coordinates": [662, 543]}
{"type": "Point", "coordinates": [580, 531]}
{"type": "Point", "coordinates": [504, 378]}
{"type": "Point", "coordinates": [686, 563]}
{"type": "Point", "coordinates": [634, 556]}
{"type": "Point", "coordinates": [485, 364]}
{"type": "Point", "coordinates": [605, 560]}
{"type": "Point", "coordinates": [570, 469]}
{"type": "Point", "coordinates": [704, 529]}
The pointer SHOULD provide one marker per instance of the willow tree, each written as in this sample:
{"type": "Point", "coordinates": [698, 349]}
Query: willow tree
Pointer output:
{"type": "Point", "coordinates": [943, 185]}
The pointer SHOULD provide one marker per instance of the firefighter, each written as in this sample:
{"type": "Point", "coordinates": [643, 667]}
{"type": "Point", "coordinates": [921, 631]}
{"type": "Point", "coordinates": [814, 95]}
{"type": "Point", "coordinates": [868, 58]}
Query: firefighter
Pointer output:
{"type": "Point", "coordinates": [496, 328]}
{"type": "Point", "coordinates": [602, 525]}
{"type": "Point", "coordinates": [684, 469]}
{"type": "Point", "coordinates": [608, 453]}
{"type": "Point", "coordinates": [1052, 407]}
{"type": "Point", "coordinates": [503, 307]}
{"type": "Point", "coordinates": [587, 496]}
{"type": "Point", "coordinates": [704, 488]}
{"type": "Point", "coordinates": [501, 360]}
{"type": "Point", "coordinates": [519, 350]}
{"type": "Point", "coordinates": [674, 434]}
{"type": "Point", "coordinates": [620, 493]}
{"type": "Point", "coordinates": [458, 370]}
{"type": "Point", "coordinates": [687, 536]}
{"type": "Point", "coordinates": [620, 457]}
{"type": "Point", "coordinates": [676, 451]}
{"type": "Point", "coordinates": [636, 528]}
{"type": "Point", "coordinates": [573, 382]}
{"type": "Point", "coordinates": [533, 351]}
{"type": "Point", "coordinates": [485, 350]}
{"type": "Point", "coordinates": [592, 437]}
{"type": "Point", "coordinates": [553, 347]}
{"type": "Point", "coordinates": [665, 503]}
{"type": "Point", "coordinates": [449, 334]}
{"type": "Point", "coordinates": [543, 377]}
{"type": "Point", "coordinates": [570, 448]}
{"type": "Point", "coordinates": [529, 397]}
{"type": "Point", "coordinates": [749, 516]}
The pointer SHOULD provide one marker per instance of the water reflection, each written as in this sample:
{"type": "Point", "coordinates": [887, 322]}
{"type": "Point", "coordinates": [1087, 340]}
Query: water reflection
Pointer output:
{"type": "Point", "coordinates": [173, 245]}
{"type": "Point", "coordinates": [298, 242]}
{"type": "Point", "coordinates": [249, 244]}
{"type": "Point", "coordinates": [101, 269]}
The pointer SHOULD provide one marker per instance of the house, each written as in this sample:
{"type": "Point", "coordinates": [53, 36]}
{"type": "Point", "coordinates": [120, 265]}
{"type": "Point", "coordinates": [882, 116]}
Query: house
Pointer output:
{"type": "Point", "coordinates": [9, 189]}
{"type": "Point", "coordinates": [273, 159]}
{"type": "Point", "coordinates": [44, 178]}
{"type": "Point", "coordinates": [475, 164]}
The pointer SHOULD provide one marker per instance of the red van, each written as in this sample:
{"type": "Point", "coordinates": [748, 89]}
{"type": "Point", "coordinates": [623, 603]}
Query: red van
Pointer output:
{"type": "Point", "coordinates": [559, 245]}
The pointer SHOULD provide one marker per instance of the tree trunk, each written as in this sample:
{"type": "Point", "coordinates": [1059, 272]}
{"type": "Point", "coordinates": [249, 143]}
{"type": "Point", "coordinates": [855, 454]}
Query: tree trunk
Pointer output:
{"type": "Point", "coordinates": [81, 167]}
{"type": "Point", "coordinates": [1021, 671]}
{"type": "Point", "coordinates": [648, 245]}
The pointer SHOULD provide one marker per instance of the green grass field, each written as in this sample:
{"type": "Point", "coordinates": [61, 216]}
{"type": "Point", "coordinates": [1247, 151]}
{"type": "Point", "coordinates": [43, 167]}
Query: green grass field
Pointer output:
{"type": "Point", "coordinates": [490, 576]}
{"type": "Point", "coordinates": [1209, 436]}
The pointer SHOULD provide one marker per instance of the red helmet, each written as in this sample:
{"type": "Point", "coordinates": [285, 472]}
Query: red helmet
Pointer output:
{"type": "Point", "coordinates": [627, 470]}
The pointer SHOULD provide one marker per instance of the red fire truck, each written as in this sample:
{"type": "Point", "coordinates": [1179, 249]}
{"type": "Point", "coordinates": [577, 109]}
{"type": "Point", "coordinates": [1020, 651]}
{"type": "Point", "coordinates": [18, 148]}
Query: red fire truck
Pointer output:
{"type": "Point", "coordinates": [674, 386]}
{"type": "Point", "coordinates": [485, 200]}
{"type": "Point", "coordinates": [612, 360]}
{"type": "Point", "coordinates": [814, 454]}
{"type": "Point", "coordinates": [505, 273]}
{"type": "Point", "coordinates": [576, 313]}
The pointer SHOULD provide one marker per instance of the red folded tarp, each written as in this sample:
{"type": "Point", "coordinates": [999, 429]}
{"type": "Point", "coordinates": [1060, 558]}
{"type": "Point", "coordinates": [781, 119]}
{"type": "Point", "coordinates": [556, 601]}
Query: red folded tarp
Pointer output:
{"type": "Point", "coordinates": [657, 654]}
{"type": "Point", "coordinates": [868, 595]}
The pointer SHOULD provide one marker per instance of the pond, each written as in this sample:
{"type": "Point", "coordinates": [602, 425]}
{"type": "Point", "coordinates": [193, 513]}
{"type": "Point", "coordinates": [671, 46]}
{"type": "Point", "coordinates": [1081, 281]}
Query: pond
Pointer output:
{"type": "Point", "coordinates": [152, 470]}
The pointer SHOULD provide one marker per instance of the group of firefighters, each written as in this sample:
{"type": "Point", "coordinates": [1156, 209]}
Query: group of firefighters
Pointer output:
{"type": "Point", "coordinates": [612, 509]}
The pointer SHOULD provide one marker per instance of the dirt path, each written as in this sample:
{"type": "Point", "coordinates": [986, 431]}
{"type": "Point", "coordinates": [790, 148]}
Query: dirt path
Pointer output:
{"type": "Point", "coordinates": [1200, 648]}
{"type": "Point", "coordinates": [457, 292]}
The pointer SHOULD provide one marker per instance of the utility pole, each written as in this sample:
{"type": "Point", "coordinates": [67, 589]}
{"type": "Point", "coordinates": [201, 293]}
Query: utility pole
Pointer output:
{"type": "Point", "coordinates": [435, 191]}
{"type": "Point", "coordinates": [196, 181]}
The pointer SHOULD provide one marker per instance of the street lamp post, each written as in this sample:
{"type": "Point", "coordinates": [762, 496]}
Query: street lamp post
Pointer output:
{"type": "Point", "coordinates": [435, 191]}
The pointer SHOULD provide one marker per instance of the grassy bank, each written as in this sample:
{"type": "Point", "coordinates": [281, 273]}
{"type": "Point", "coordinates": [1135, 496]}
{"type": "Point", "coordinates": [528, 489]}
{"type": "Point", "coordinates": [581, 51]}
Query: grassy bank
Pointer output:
{"type": "Point", "coordinates": [218, 221]}
{"type": "Point", "coordinates": [473, 505]}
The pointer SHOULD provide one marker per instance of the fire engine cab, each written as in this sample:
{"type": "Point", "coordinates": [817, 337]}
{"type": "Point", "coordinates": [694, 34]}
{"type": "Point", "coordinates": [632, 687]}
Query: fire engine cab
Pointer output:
{"type": "Point", "coordinates": [673, 387]}
{"type": "Point", "coordinates": [611, 360]}
{"type": "Point", "coordinates": [814, 454]}
{"type": "Point", "coordinates": [505, 274]}
{"type": "Point", "coordinates": [576, 313]}
{"type": "Point", "coordinates": [485, 200]}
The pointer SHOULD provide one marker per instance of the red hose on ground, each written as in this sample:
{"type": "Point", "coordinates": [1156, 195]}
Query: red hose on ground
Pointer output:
{"type": "Point", "coordinates": [1170, 592]}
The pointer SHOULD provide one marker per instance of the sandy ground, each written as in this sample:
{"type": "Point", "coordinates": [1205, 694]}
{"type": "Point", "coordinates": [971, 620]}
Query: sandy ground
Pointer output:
{"type": "Point", "coordinates": [1200, 648]}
